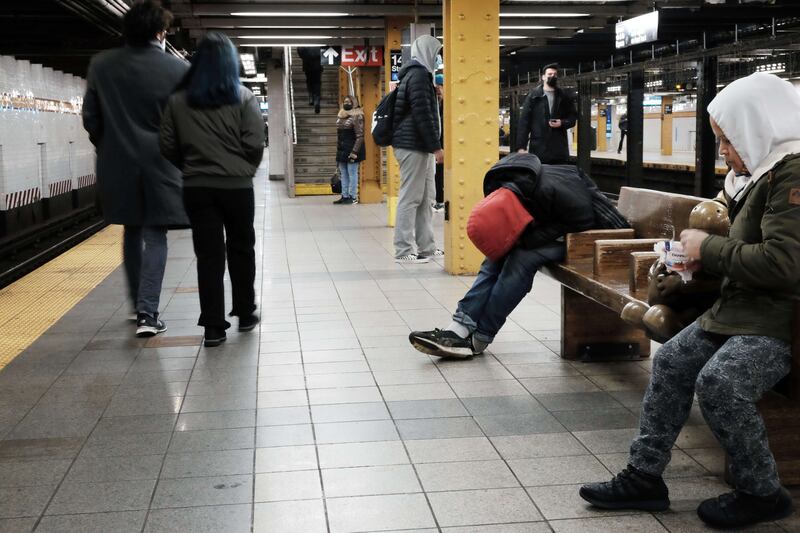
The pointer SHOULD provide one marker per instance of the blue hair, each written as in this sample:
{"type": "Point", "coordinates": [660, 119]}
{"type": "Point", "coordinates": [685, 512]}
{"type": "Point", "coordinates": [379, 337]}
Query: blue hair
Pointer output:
{"type": "Point", "coordinates": [213, 79]}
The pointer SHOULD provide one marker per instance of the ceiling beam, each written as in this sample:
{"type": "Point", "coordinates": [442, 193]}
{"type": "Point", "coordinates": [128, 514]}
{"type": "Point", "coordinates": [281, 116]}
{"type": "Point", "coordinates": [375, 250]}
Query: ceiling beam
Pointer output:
{"type": "Point", "coordinates": [431, 10]}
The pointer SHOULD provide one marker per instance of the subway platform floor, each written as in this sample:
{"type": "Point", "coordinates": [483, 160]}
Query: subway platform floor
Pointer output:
{"type": "Point", "coordinates": [324, 418]}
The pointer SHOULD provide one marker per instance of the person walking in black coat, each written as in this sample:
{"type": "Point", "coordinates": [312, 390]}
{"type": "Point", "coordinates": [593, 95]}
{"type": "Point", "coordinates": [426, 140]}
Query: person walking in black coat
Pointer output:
{"type": "Point", "coordinates": [417, 148]}
{"type": "Point", "coordinates": [213, 131]}
{"type": "Point", "coordinates": [439, 177]}
{"type": "Point", "coordinates": [350, 150]}
{"type": "Point", "coordinates": [623, 130]}
{"type": "Point", "coordinates": [126, 90]}
{"type": "Point", "coordinates": [312, 68]}
{"type": "Point", "coordinates": [547, 113]}
{"type": "Point", "coordinates": [561, 199]}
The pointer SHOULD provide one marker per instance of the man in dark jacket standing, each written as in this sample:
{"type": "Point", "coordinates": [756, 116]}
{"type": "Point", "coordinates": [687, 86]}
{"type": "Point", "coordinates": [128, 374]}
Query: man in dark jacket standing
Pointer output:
{"type": "Point", "coordinates": [312, 68]}
{"type": "Point", "coordinates": [547, 114]}
{"type": "Point", "coordinates": [127, 89]}
{"type": "Point", "coordinates": [415, 140]}
{"type": "Point", "coordinates": [561, 200]}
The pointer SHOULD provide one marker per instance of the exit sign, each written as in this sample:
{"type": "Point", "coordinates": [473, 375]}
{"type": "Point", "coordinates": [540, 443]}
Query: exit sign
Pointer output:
{"type": "Point", "coordinates": [362, 56]}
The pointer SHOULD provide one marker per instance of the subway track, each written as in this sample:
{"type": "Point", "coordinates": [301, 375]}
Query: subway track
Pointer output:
{"type": "Point", "coordinates": [24, 252]}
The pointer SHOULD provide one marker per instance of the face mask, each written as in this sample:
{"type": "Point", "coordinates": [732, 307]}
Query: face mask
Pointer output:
{"type": "Point", "coordinates": [552, 81]}
{"type": "Point", "coordinates": [439, 62]}
{"type": "Point", "coordinates": [347, 107]}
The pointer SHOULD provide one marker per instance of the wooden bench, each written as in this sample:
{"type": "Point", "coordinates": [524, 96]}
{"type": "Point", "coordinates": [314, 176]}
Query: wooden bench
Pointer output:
{"type": "Point", "coordinates": [606, 269]}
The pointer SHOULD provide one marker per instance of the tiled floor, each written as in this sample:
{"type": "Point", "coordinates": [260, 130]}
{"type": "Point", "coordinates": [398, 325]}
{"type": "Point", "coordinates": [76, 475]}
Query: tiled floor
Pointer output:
{"type": "Point", "coordinates": [324, 418]}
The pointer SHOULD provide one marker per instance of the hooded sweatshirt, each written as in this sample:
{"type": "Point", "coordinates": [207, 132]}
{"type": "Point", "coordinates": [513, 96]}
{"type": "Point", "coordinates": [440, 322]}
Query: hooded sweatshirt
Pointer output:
{"type": "Point", "coordinates": [760, 258]}
{"type": "Point", "coordinates": [425, 49]}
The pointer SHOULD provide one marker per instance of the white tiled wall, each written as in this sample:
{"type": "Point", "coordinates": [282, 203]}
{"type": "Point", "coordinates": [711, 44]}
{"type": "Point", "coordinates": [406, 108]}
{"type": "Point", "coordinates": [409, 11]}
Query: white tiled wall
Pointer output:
{"type": "Point", "coordinates": [41, 150]}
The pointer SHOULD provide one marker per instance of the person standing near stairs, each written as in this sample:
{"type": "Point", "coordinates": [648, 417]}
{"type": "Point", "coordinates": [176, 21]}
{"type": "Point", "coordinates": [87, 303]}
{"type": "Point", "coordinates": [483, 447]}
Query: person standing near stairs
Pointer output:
{"type": "Point", "coordinates": [350, 150]}
{"type": "Point", "coordinates": [417, 148]}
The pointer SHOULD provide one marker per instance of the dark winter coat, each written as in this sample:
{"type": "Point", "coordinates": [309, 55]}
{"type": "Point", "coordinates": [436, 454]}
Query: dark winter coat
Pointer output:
{"type": "Point", "coordinates": [126, 91]}
{"type": "Point", "coordinates": [416, 113]}
{"type": "Point", "coordinates": [549, 144]}
{"type": "Point", "coordinates": [759, 259]}
{"type": "Point", "coordinates": [350, 137]}
{"type": "Point", "coordinates": [558, 197]}
{"type": "Point", "coordinates": [219, 147]}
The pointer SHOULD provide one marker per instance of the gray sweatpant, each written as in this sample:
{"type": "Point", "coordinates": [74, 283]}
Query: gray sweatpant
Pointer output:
{"type": "Point", "coordinates": [728, 374]}
{"type": "Point", "coordinates": [413, 230]}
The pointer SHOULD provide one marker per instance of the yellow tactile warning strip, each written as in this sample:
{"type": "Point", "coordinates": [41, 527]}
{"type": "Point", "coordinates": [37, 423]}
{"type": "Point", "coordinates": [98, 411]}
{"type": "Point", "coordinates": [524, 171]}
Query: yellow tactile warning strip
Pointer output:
{"type": "Point", "coordinates": [29, 306]}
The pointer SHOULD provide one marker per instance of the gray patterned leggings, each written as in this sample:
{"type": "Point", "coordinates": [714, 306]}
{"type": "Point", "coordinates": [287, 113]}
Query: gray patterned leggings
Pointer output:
{"type": "Point", "coordinates": [728, 374]}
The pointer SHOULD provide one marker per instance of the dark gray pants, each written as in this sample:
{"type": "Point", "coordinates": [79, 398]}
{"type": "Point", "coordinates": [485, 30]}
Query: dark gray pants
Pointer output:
{"type": "Point", "coordinates": [728, 374]}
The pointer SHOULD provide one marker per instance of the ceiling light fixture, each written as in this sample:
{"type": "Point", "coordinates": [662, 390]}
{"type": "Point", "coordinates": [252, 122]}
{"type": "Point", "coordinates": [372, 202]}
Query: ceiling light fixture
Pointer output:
{"type": "Point", "coordinates": [543, 15]}
{"type": "Point", "coordinates": [509, 37]}
{"type": "Point", "coordinates": [288, 14]}
{"type": "Point", "coordinates": [249, 64]}
{"type": "Point", "coordinates": [283, 37]}
{"type": "Point", "coordinates": [771, 68]}
{"type": "Point", "coordinates": [278, 45]}
{"type": "Point", "coordinates": [527, 27]}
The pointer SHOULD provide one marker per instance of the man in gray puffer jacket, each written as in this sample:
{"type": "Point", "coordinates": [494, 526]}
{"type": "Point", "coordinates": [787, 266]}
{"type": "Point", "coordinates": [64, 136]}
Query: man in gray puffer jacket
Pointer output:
{"type": "Point", "coordinates": [416, 145]}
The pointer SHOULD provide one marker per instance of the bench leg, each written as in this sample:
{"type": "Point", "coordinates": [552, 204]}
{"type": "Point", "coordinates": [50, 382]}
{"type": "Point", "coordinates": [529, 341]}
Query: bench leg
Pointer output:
{"type": "Point", "coordinates": [590, 331]}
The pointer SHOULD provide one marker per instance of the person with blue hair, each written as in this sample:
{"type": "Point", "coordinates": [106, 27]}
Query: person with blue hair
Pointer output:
{"type": "Point", "coordinates": [213, 132]}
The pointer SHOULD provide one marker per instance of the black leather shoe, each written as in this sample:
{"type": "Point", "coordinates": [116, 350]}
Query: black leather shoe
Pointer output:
{"type": "Point", "coordinates": [630, 489]}
{"type": "Point", "coordinates": [248, 323]}
{"type": "Point", "coordinates": [737, 509]}
{"type": "Point", "coordinates": [214, 337]}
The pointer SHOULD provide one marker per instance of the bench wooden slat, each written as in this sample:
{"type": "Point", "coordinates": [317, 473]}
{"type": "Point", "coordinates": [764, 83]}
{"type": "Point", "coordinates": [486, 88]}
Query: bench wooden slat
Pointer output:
{"type": "Point", "coordinates": [655, 213]}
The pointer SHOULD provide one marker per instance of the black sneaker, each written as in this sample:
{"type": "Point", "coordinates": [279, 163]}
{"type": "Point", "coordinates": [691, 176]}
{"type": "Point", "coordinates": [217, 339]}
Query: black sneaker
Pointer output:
{"type": "Point", "coordinates": [249, 322]}
{"type": "Point", "coordinates": [214, 337]}
{"type": "Point", "coordinates": [148, 326]}
{"type": "Point", "coordinates": [348, 201]}
{"type": "Point", "coordinates": [630, 489]}
{"type": "Point", "coordinates": [340, 200]}
{"type": "Point", "coordinates": [443, 343]}
{"type": "Point", "coordinates": [737, 509]}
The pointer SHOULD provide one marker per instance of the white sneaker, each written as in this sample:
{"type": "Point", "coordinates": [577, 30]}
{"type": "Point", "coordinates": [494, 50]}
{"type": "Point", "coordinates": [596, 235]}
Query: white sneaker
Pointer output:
{"type": "Point", "coordinates": [436, 253]}
{"type": "Point", "coordinates": [411, 259]}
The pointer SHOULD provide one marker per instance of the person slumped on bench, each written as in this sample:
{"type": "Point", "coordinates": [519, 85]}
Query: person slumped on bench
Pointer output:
{"type": "Point", "coordinates": [740, 348]}
{"type": "Point", "coordinates": [561, 199]}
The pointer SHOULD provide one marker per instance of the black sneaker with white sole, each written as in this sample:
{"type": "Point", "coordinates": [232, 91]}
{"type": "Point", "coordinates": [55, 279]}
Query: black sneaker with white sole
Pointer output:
{"type": "Point", "coordinates": [148, 326]}
{"type": "Point", "coordinates": [443, 343]}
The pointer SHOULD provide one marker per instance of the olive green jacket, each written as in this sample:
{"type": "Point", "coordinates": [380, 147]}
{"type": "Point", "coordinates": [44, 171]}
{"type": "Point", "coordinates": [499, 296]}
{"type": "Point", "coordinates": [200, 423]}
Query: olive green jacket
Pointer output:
{"type": "Point", "coordinates": [760, 260]}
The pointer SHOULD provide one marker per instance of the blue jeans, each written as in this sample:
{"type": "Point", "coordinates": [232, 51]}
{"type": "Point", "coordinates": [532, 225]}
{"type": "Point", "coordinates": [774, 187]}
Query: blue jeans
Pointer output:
{"type": "Point", "coordinates": [144, 252]}
{"type": "Point", "coordinates": [349, 176]}
{"type": "Point", "coordinates": [500, 287]}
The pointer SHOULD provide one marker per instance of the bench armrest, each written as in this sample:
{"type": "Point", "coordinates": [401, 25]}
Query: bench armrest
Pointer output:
{"type": "Point", "coordinates": [580, 246]}
{"type": "Point", "coordinates": [612, 256]}
{"type": "Point", "coordinates": [640, 263]}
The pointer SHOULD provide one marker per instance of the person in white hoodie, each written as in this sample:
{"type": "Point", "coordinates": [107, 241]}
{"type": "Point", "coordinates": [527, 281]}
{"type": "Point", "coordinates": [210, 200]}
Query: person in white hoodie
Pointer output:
{"type": "Point", "coordinates": [741, 347]}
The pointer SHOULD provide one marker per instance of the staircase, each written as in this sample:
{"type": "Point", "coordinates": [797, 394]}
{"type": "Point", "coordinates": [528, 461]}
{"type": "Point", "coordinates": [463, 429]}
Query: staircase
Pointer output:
{"type": "Point", "coordinates": [315, 151]}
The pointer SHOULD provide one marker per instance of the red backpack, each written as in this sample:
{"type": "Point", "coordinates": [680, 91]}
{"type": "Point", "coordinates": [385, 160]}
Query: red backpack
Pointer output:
{"type": "Point", "coordinates": [496, 222]}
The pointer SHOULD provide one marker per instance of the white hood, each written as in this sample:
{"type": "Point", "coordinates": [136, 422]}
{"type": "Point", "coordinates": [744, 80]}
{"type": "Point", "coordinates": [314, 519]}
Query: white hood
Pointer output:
{"type": "Point", "coordinates": [760, 115]}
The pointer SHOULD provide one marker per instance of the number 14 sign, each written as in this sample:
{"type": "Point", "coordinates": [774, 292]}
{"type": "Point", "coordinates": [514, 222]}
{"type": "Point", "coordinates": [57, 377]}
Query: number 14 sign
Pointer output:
{"type": "Point", "coordinates": [362, 56]}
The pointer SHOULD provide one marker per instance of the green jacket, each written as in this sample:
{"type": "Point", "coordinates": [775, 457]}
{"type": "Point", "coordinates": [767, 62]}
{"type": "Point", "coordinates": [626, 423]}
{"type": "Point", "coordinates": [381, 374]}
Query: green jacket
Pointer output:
{"type": "Point", "coordinates": [217, 147]}
{"type": "Point", "coordinates": [760, 260]}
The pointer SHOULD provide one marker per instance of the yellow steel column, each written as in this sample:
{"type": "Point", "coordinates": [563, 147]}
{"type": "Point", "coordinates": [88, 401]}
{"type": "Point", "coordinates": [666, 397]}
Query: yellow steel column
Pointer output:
{"type": "Point", "coordinates": [666, 125]}
{"type": "Point", "coordinates": [471, 103]}
{"type": "Point", "coordinates": [370, 176]}
{"type": "Point", "coordinates": [602, 109]}
{"type": "Point", "coordinates": [394, 27]}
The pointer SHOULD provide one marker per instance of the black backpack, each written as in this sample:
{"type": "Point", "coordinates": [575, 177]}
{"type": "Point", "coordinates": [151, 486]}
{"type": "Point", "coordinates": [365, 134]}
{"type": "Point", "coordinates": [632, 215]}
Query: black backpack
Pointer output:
{"type": "Point", "coordinates": [383, 120]}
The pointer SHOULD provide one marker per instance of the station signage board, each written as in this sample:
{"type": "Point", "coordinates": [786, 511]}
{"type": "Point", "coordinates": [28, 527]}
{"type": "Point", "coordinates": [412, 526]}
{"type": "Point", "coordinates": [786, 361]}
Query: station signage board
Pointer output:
{"type": "Point", "coordinates": [396, 59]}
{"type": "Point", "coordinates": [362, 56]}
{"type": "Point", "coordinates": [330, 55]}
{"type": "Point", "coordinates": [638, 30]}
